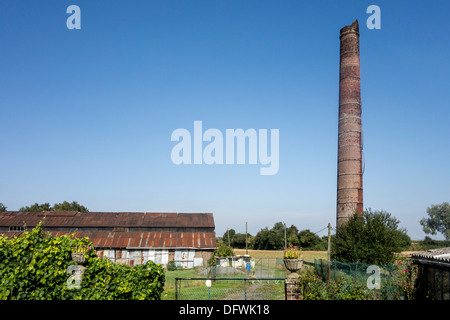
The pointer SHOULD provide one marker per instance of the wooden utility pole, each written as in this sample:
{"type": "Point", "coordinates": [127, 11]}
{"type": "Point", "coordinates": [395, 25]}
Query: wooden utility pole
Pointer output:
{"type": "Point", "coordinates": [329, 249]}
{"type": "Point", "coordinates": [246, 248]}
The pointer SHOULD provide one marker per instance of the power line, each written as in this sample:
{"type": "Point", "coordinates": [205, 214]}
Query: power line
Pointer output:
{"type": "Point", "coordinates": [332, 228]}
{"type": "Point", "coordinates": [321, 230]}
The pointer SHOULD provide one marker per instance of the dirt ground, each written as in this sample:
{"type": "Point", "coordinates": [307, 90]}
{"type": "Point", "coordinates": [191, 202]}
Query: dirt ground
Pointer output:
{"type": "Point", "coordinates": [408, 253]}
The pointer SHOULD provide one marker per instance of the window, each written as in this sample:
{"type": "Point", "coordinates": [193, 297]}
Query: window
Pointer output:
{"type": "Point", "coordinates": [16, 228]}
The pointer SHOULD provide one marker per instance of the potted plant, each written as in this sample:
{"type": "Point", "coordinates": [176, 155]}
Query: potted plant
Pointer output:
{"type": "Point", "coordinates": [79, 252]}
{"type": "Point", "coordinates": [293, 260]}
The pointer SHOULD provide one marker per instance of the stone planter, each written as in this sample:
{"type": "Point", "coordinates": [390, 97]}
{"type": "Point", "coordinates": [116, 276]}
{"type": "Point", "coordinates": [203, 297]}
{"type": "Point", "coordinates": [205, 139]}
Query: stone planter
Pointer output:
{"type": "Point", "coordinates": [78, 257]}
{"type": "Point", "coordinates": [293, 265]}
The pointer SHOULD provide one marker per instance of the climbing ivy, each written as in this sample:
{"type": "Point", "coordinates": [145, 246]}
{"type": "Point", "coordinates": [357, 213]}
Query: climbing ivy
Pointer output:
{"type": "Point", "coordinates": [35, 266]}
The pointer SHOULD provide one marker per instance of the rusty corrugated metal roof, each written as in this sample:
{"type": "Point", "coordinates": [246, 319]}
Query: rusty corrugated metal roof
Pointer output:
{"type": "Point", "coordinates": [127, 220]}
{"type": "Point", "coordinates": [141, 240]}
{"type": "Point", "coordinates": [107, 219]}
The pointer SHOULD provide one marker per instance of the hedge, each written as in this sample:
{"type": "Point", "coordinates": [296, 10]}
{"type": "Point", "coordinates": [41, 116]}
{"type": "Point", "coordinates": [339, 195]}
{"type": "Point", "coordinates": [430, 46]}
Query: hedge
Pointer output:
{"type": "Point", "coordinates": [35, 266]}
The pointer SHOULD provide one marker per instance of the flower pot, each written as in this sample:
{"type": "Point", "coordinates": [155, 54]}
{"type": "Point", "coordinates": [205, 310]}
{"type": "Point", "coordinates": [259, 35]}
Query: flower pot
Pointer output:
{"type": "Point", "coordinates": [78, 257]}
{"type": "Point", "coordinates": [293, 265]}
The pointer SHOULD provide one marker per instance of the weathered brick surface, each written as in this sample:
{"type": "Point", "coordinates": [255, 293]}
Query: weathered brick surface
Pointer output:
{"type": "Point", "coordinates": [349, 177]}
{"type": "Point", "coordinates": [292, 290]}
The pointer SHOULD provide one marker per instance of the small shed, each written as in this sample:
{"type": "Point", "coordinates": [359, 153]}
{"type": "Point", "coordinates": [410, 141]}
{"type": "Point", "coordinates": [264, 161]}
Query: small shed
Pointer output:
{"type": "Point", "coordinates": [434, 274]}
{"type": "Point", "coordinates": [239, 261]}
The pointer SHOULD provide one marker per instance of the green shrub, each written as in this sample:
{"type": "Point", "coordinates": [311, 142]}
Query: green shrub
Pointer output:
{"type": "Point", "coordinates": [171, 266]}
{"type": "Point", "coordinates": [106, 280]}
{"type": "Point", "coordinates": [397, 282]}
{"type": "Point", "coordinates": [373, 238]}
{"type": "Point", "coordinates": [314, 287]}
{"type": "Point", "coordinates": [35, 266]}
{"type": "Point", "coordinates": [404, 278]}
{"type": "Point", "coordinates": [222, 251]}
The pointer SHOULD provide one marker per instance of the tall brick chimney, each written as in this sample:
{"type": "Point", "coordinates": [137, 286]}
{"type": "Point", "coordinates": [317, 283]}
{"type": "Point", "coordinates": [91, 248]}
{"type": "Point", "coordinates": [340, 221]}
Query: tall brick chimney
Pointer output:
{"type": "Point", "coordinates": [349, 172]}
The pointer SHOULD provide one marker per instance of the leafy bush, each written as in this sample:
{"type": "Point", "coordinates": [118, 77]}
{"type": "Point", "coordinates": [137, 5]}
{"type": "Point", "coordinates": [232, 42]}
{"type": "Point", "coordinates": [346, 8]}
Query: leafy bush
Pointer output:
{"type": "Point", "coordinates": [314, 287]}
{"type": "Point", "coordinates": [106, 280]}
{"type": "Point", "coordinates": [171, 266]}
{"type": "Point", "coordinates": [373, 238]}
{"type": "Point", "coordinates": [399, 286]}
{"type": "Point", "coordinates": [35, 266]}
{"type": "Point", "coordinates": [397, 282]}
{"type": "Point", "coordinates": [222, 251]}
{"type": "Point", "coordinates": [405, 278]}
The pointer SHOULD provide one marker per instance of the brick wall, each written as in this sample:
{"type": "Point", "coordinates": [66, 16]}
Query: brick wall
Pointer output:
{"type": "Point", "coordinates": [292, 289]}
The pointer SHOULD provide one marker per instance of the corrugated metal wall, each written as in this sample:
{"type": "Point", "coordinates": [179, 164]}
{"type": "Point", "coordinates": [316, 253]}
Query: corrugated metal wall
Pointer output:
{"type": "Point", "coordinates": [185, 258]}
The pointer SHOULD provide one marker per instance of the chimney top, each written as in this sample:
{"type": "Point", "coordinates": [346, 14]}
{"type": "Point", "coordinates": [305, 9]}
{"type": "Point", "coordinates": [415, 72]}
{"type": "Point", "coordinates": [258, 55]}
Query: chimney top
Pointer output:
{"type": "Point", "coordinates": [353, 28]}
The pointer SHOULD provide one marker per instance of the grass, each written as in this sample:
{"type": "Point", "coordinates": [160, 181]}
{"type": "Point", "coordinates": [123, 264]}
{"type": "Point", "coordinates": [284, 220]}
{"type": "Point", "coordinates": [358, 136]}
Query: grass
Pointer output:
{"type": "Point", "coordinates": [422, 245]}
{"type": "Point", "coordinates": [231, 290]}
{"type": "Point", "coordinates": [169, 294]}
{"type": "Point", "coordinates": [220, 288]}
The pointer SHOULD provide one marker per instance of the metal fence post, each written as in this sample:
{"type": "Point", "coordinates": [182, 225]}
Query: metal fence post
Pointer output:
{"type": "Point", "coordinates": [245, 289]}
{"type": "Point", "coordinates": [176, 288]}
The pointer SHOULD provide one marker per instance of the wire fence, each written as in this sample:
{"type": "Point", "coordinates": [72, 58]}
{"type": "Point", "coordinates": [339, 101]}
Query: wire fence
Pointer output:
{"type": "Point", "coordinates": [356, 270]}
{"type": "Point", "coordinates": [229, 289]}
{"type": "Point", "coordinates": [246, 267]}
{"type": "Point", "coordinates": [362, 273]}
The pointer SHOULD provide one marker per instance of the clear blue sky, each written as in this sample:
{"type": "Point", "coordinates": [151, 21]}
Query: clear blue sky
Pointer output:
{"type": "Point", "coordinates": [87, 114]}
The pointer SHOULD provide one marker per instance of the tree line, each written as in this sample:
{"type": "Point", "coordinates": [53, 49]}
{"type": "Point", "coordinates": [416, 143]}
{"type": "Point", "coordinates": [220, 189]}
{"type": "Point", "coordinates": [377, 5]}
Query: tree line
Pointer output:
{"type": "Point", "coordinates": [38, 207]}
{"type": "Point", "coordinates": [438, 220]}
{"type": "Point", "coordinates": [373, 237]}
{"type": "Point", "coordinates": [274, 238]}
{"type": "Point", "coordinates": [373, 222]}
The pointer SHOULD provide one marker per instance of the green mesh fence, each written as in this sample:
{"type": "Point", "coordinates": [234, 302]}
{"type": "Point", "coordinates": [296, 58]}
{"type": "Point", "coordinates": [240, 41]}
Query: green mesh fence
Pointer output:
{"type": "Point", "coordinates": [362, 274]}
{"type": "Point", "coordinates": [229, 289]}
{"type": "Point", "coordinates": [246, 267]}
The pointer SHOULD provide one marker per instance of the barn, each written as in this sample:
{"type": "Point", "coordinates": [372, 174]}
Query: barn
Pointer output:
{"type": "Point", "coordinates": [187, 239]}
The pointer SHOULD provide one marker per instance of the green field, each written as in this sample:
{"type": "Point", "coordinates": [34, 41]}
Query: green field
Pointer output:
{"type": "Point", "coordinates": [306, 255]}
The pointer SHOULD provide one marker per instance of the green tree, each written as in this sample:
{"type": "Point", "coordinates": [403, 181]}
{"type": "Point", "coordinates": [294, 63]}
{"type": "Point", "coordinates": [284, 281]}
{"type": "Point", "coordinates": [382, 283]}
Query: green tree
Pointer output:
{"type": "Point", "coordinates": [63, 206]}
{"type": "Point", "coordinates": [36, 207]}
{"type": "Point", "coordinates": [239, 240]}
{"type": "Point", "coordinates": [2, 207]}
{"type": "Point", "coordinates": [372, 238]}
{"type": "Point", "coordinates": [272, 239]}
{"type": "Point", "coordinates": [276, 236]}
{"type": "Point", "coordinates": [308, 239]}
{"type": "Point", "coordinates": [228, 236]}
{"type": "Point", "coordinates": [261, 241]}
{"type": "Point", "coordinates": [292, 236]}
{"type": "Point", "coordinates": [69, 206]}
{"type": "Point", "coordinates": [438, 220]}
